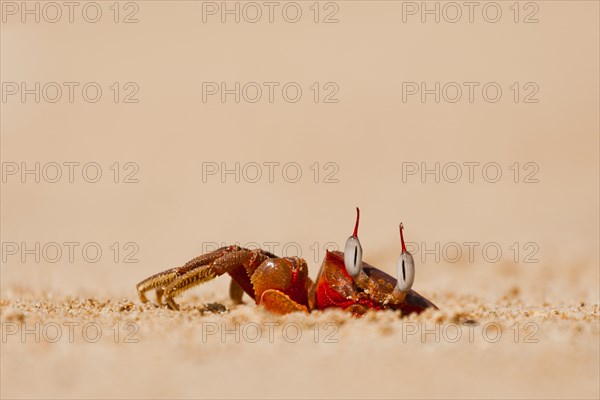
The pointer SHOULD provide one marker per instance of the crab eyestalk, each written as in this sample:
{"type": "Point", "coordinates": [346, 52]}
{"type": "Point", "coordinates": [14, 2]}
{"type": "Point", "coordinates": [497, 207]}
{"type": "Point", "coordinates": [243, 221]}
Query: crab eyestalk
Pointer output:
{"type": "Point", "coordinates": [406, 267]}
{"type": "Point", "coordinates": [353, 251]}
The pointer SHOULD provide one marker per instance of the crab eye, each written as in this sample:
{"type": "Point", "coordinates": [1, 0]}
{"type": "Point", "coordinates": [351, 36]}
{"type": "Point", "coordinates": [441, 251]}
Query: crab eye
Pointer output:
{"type": "Point", "coordinates": [406, 271]}
{"type": "Point", "coordinates": [353, 251]}
{"type": "Point", "coordinates": [353, 256]}
{"type": "Point", "coordinates": [406, 266]}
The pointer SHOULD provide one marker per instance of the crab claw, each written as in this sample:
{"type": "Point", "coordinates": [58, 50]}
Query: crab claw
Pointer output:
{"type": "Point", "coordinates": [281, 284]}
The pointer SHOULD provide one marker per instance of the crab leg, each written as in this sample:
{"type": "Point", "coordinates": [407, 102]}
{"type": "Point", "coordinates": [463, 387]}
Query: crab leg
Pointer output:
{"type": "Point", "coordinates": [236, 292]}
{"type": "Point", "coordinates": [203, 273]}
{"type": "Point", "coordinates": [165, 278]}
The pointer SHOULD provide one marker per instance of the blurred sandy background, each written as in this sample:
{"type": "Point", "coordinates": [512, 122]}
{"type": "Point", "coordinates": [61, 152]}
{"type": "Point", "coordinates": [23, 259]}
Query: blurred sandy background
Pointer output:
{"type": "Point", "coordinates": [171, 214]}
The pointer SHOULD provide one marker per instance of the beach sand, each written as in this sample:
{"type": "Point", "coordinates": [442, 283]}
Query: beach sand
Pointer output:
{"type": "Point", "coordinates": [111, 347]}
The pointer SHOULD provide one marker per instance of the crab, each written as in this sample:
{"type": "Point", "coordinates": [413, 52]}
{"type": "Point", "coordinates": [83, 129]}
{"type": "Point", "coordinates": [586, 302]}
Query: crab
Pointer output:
{"type": "Point", "coordinates": [282, 284]}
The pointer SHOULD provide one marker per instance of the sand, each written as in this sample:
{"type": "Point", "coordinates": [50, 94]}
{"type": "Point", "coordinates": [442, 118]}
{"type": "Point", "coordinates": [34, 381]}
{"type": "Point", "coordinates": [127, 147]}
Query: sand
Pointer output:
{"type": "Point", "coordinates": [90, 347]}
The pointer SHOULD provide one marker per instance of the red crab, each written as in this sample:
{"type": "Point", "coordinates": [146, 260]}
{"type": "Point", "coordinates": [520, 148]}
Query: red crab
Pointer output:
{"type": "Point", "coordinates": [282, 285]}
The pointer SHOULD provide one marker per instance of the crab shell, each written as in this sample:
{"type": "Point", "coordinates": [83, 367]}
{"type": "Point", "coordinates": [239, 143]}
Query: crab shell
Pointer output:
{"type": "Point", "coordinates": [334, 287]}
